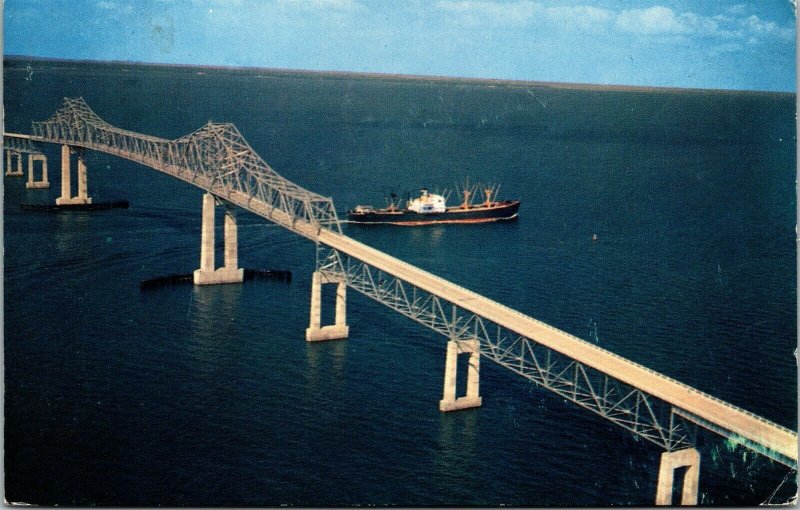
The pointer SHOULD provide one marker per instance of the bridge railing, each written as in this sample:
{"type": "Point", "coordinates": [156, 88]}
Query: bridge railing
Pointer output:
{"type": "Point", "coordinates": [20, 145]}
{"type": "Point", "coordinates": [215, 157]}
{"type": "Point", "coordinates": [592, 385]}
{"type": "Point", "coordinates": [625, 405]}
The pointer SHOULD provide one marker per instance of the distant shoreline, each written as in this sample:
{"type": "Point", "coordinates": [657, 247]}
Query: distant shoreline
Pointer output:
{"type": "Point", "coordinates": [405, 77]}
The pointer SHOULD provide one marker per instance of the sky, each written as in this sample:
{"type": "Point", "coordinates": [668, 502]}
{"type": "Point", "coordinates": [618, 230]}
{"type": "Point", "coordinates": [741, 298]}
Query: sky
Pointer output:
{"type": "Point", "coordinates": [723, 44]}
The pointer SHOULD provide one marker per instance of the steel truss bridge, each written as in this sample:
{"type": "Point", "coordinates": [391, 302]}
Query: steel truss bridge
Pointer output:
{"type": "Point", "coordinates": [20, 144]}
{"type": "Point", "coordinates": [219, 160]}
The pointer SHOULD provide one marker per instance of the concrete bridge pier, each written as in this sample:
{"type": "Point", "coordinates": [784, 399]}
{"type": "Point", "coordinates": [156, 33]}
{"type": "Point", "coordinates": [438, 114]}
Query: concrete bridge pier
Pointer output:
{"type": "Point", "coordinates": [208, 274]}
{"type": "Point", "coordinates": [449, 401]}
{"type": "Point", "coordinates": [66, 197]}
{"type": "Point", "coordinates": [32, 183]}
{"type": "Point", "coordinates": [337, 331]}
{"type": "Point", "coordinates": [670, 461]}
{"type": "Point", "coordinates": [9, 157]}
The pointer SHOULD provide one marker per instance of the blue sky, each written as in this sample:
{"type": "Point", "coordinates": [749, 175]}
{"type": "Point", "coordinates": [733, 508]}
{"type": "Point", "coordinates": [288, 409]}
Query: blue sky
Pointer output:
{"type": "Point", "coordinates": [732, 44]}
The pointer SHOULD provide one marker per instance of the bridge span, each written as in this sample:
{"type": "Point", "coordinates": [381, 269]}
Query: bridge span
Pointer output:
{"type": "Point", "coordinates": [217, 158]}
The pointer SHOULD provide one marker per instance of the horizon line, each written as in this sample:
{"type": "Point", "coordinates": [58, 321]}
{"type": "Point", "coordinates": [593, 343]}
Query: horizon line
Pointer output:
{"type": "Point", "coordinates": [411, 77]}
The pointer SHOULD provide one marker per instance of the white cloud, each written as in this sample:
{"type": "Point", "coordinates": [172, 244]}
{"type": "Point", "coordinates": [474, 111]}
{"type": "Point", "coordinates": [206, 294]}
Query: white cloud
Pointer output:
{"type": "Point", "coordinates": [733, 24]}
{"type": "Point", "coordinates": [522, 13]}
{"type": "Point", "coordinates": [755, 26]}
{"type": "Point", "coordinates": [580, 16]}
{"type": "Point", "coordinates": [663, 20]}
{"type": "Point", "coordinates": [695, 24]}
{"type": "Point", "coordinates": [477, 12]}
{"type": "Point", "coordinates": [738, 9]}
{"type": "Point", "coordinates": [654, 20]}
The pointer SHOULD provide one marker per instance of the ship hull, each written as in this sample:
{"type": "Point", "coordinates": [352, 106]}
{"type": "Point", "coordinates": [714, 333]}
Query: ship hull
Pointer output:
{"type": "Point", "coordinates": [499, 211]}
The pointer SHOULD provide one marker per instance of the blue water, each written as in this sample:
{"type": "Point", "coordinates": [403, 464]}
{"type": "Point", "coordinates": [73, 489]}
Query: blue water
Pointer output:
{"type": "Point", "coordinates": [211, 396]}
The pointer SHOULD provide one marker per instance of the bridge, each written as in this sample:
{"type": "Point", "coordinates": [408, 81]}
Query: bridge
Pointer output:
{"type": "Point", "coordinates": [15, 148]}
{"type": "Point", "coordinates": [217, 159]}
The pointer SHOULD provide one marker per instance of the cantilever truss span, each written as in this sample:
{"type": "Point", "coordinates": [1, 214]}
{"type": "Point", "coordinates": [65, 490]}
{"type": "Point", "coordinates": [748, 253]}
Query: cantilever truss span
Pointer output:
{"type": "Point", "coordinates": [218, 159]}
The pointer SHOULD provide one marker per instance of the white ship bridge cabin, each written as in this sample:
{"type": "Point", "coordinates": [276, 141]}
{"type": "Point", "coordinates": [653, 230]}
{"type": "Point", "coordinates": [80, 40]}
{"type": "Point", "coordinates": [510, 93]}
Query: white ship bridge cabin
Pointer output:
{"type": "Point", "coordinates": [427, 203]}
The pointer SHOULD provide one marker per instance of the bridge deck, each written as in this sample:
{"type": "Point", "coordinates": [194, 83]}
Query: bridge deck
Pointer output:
{"type": "Point", "coordinates": [702, 406]}
{"type": "Point", "coordinates": [680, 395]}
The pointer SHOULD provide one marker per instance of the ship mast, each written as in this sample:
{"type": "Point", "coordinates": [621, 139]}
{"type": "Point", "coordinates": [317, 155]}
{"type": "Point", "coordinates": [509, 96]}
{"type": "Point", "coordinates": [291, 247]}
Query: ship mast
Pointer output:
{"type": "Point", "coordinates": [392, 207]}
{"type": "Point", "coordinates": [466, 194]}
{"type": "Point", "coordinates": [489, 192]}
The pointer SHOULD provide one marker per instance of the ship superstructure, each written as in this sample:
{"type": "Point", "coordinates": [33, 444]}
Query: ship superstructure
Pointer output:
{"type": "Point", "coordinates": [431, 208]}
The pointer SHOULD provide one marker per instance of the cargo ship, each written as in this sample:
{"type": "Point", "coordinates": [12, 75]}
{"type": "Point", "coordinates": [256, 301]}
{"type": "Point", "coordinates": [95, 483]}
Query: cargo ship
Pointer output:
{"type": "Point", "coordinates": [432, 209]}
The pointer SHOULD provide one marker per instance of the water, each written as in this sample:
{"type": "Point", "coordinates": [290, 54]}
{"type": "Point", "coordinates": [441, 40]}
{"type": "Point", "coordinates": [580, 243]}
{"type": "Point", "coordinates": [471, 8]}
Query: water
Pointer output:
{"type": "Point", "coordinates": [211, 396]}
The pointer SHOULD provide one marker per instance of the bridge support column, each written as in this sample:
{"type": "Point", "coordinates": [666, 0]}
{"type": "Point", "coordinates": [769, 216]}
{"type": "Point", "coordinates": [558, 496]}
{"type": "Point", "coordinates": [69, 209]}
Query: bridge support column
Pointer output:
{"type": "Point", "coordinates": [339, 330]}
{"type": "Point", "coordinates": [66, 193]}
{"type": "Point", "coordinates": [66, 197]}
{"type": "Point", "coordinates": [449, 401]}
{"type": "Point", "coordinates": [32, 183]}
{"type": "Point", "coordinates": [231, 243]}
{"type": "Point", "coordinates": [670, 461]}
{"type": "Point", "coordinates": [83, 189]}
{"type": "Point", "coordinates": [9, 158]}
{"type": "Point", "coordinates": [230, 272]}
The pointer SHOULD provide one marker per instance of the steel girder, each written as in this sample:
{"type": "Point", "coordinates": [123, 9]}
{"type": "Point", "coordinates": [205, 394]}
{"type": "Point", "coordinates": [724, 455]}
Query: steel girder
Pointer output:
{"type": "Point", "coordinates": [651, 418]}
{"type": "Point", "coordinates": [618, 402]}
{"type": "Point", "coordinates": [20, 145]}
{"type": "Point", "coordinates": [216, 157]}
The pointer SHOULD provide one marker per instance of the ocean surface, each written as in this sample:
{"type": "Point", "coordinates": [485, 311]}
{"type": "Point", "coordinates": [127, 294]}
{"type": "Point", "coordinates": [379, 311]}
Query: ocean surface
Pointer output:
{"type": "Point", "coordinates": [211, 396]}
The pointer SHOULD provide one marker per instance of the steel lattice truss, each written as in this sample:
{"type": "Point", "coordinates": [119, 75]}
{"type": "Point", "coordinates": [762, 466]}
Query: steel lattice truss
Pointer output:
{"type": "Point", "coordinates": [20, 145]}
{"type": "Point", "coordinates": [646, 416]}
{"type": "Point", "coordinates": [216, 158]}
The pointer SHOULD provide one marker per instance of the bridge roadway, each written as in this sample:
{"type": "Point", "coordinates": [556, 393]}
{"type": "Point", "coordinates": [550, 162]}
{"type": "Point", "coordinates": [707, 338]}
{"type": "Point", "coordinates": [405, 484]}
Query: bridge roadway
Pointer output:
{"type": "Point", "coordinates": [689, 402]}
{"type": "Point", "coordinates": [680, 395]}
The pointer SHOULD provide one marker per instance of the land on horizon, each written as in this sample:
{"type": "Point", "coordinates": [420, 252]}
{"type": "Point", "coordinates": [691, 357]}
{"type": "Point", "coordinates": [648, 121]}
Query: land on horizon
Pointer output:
{"type": "Point", "coordinates": [600, 87]}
